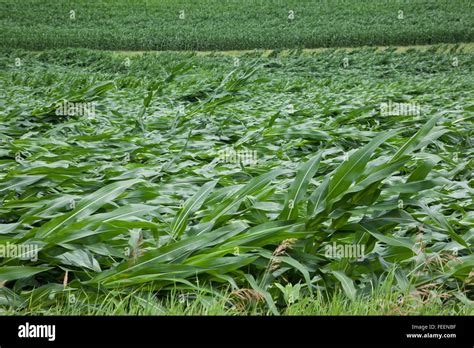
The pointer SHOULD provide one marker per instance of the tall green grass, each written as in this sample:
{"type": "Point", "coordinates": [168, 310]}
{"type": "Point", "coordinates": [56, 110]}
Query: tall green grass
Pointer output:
{"type": "Point", "coordinates": [383, 301]}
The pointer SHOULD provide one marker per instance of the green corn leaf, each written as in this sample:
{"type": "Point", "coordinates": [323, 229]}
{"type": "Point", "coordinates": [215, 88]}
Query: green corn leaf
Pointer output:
{"type": "Point", "coordinates": [352, 169]}
{"type": "Point", "coordinates": [8, 273]}
{"type": "Point", "coordinates": [87, 206]}
{"type": "Point", "coordinates": [298, 188]}
{"type": "Point", "coordinates": [416, 139]}
{"type": "Point", "coordinates": [347, 284]}
{"type": "Point", "coordinates": [192, 205]}
{"type": "Point", "coordinates": [235, 199]}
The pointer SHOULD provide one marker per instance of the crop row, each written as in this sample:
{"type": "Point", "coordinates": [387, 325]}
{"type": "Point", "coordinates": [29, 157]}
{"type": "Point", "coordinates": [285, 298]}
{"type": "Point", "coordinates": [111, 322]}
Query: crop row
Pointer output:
{"type": "Point", "coordinates": [232, 25]}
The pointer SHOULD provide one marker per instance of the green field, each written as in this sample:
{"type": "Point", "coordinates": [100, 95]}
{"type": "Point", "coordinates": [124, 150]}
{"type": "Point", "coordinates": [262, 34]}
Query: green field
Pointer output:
{"type": "Point", "coordinates": [179, 173]}
{"type": "Point", "coordinates": [236, 157]}
{"type": "Point", "coordinates": [232, 24]}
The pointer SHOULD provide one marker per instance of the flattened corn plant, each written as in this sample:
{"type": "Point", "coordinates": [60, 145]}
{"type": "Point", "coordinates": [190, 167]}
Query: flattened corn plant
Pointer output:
{"type": "Point", "coordinates": [136, 194]}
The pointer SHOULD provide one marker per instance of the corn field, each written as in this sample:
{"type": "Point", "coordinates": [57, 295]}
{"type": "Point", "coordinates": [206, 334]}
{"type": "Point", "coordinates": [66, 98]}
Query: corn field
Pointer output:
{"type": "Point", "coordinates": [268, 175]}
{"type": "Point", "coordinates": [232, 24]}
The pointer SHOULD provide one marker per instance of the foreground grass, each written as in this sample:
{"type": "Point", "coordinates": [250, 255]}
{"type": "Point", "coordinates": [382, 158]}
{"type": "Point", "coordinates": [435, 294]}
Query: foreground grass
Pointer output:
{"type": "Point", "coordinates": [144, 303]}
{"type": "Point", "coordinates": [232, 25]}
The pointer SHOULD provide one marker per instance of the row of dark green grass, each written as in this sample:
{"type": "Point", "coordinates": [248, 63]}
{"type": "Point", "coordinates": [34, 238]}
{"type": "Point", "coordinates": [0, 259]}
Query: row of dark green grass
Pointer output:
{"type": "Point", "coordinates": [232, 24]}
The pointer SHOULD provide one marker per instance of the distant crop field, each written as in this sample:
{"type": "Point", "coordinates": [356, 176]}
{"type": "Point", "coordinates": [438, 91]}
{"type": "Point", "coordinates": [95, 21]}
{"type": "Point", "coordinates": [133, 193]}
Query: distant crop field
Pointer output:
{"type": "Point", "coordinates": [264, 178]}
{"type": "Point", "coordinates": [232, 25]}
